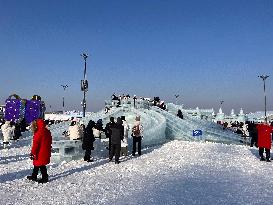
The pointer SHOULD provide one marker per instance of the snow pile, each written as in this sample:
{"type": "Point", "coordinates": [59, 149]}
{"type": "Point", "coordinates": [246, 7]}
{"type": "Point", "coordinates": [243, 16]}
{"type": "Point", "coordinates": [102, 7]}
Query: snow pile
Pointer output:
{"type": "Point", "coordinates": [177, 172]}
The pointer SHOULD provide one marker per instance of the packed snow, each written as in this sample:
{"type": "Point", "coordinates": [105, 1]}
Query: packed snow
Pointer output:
{"type": "Point", "coordinates": [177, 172]}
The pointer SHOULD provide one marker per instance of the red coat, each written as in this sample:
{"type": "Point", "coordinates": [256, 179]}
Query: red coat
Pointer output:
{"type": "Point", "coordinates": [41, 146]}
{"type": "Point", "coordinates": [264, 135]}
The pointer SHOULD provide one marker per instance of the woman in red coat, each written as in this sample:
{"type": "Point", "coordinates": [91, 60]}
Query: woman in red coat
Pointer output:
{"type": "Point", "coordinates": [41, 150]}
{"type": "Point", "coordinates": [264, 140]}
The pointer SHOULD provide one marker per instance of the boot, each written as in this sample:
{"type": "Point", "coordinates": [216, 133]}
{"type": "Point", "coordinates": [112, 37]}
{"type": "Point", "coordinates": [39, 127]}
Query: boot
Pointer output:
{"type": "Point", "coordinates": [43, 180]}
{"type": "Point", "coordinates": [89, 160]}
{"type": "Point", "coordinates": [32, 178]}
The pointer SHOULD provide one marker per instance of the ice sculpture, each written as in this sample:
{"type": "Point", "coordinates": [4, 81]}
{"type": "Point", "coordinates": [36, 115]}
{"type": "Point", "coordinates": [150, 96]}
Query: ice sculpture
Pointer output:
{"type": "Point", "coordinates": [182, 129]}
{"type": "Point", "coordinates": [17, 108]}
{"type": "Point", "coordinates": [159, 126]}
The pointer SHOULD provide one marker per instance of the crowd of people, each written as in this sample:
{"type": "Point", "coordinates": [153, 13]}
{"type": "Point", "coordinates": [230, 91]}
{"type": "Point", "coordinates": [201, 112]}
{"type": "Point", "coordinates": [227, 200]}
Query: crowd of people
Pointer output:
{"type": "Point", "coordinates": [117, 132]}
{"type": "Point", "coordinates": [12, 130]}
{"type": "Point", "coordinates": [118, 99]}
{"type": "Point", "coordinates": [260, 135]}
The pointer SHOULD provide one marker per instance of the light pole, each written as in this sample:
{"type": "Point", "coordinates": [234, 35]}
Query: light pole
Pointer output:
{"type": "Point", "coordinates": [264, 77]}
{"type": "Point", "coordinates": [84, 84]}
{"type": "Point", "coordinates": [176, 99]}
{"type": "Point", "coordinates": [64, 87]}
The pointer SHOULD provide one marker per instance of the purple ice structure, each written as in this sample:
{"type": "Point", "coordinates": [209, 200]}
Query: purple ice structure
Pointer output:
{"type": "Point", "coordinates": [33, 110]}
{"type": "Point", "coordinates": [12, 111]}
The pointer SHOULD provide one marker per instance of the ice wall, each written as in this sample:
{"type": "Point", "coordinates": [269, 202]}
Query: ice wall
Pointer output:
{"type": "Point", "coordinates": [211, 131]}
{"type": "Point", "coordinates": [154, 125]}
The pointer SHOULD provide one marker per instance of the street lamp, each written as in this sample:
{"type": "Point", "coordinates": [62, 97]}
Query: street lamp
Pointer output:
{"type": "Point", "coordinates": [64, 87]}
{"type": "Point", "coordinates": [264, 77]}
{"type": "Point", "coordinates": [84, 84]}
{"type": "Point", "coordinates": [176, 99]}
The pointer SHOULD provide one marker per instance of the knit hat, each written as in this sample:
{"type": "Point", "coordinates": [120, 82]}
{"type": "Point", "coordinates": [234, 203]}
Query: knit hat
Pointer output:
{"type": "Point", "coordinates": [137, 118]}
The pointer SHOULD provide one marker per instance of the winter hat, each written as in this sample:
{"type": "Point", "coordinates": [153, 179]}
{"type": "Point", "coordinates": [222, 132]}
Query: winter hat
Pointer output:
{"type": "Point", "coordinates": [137, 118]}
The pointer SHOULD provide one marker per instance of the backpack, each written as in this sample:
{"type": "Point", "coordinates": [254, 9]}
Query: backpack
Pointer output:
{"type": "Point", "coordinates": [136, 131]}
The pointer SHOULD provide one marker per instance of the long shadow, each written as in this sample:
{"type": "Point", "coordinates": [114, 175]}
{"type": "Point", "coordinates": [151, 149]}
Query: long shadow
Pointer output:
{"type": "Point", "coordinates": [101, 161]}
{"type": "Point", "coordinates": [15, 175]}
{"type": "Point", "coordinates": [16, 158]}
{"type": "Point", "coordinates": [18, 175]}
{"type": "Point", "coordinates": [21, 142]}
{"type": "Point", "coordinates": [255, 152]}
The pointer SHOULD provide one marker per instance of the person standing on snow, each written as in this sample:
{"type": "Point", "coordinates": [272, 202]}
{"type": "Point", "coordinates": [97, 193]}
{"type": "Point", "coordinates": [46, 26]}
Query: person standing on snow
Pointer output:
{"type": "Point", "coordinates": [108, 131]}
{"type": "Point", "coordinates": [41, 150]}
{"type": "Point", "coordinates": [8, 132]}
{"type": "Point", "coordinates": [124, 144]}
{"type": "Point", "coordinates": [137, 130]}
{"type": "Point", "coordinates": [264, 140]}
{"type": "Point", "coordinates": [74, 131]}
{"type": "Point", "coordinates": [88, 140]}
{"type": "Point", "coordinates": [253, 134]}
{"type": "Point", "coordinates": [116, 137]}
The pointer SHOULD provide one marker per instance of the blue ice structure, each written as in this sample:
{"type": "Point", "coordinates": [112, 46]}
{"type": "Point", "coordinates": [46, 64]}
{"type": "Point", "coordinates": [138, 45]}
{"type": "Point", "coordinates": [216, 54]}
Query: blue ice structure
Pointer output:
{"type": "Point", "coordinates": [159, 125]}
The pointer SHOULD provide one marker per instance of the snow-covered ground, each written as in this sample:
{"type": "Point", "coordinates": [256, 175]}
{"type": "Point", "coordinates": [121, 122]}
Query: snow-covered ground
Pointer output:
{"type": "Point", "coordinates": [177, 172]}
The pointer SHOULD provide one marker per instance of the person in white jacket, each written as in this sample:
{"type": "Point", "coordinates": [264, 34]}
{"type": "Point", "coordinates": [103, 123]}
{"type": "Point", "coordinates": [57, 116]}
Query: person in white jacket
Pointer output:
{"type": "Point", "coordinates": [137, 134]}
{"type": "Point", "coordinates": [8, 132]}
{"type": "Point", "coordinates": [124, 144]}
{"type": "Point", "coordinates": [74, 131]}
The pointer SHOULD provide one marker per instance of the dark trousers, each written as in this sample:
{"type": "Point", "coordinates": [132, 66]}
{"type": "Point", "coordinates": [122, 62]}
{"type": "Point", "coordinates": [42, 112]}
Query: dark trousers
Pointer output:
{"type": "Point", "coordinates": [261, 152]}
{"type": "Point", "coordinates": [109, 144]}
{"type": "Point", "coordinates": [253, 140]}
{"type": "Point", "coordinates": [87, 154]}
{"type": "Point", "coordinates": [136, 140]}
{"type": "Point", "coordinates": [42, 169]}
{"type": "Point", "coordinates": [115, 150]}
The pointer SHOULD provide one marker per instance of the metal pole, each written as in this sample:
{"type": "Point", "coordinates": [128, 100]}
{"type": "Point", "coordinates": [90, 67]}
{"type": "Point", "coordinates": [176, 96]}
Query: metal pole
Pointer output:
{"type": "Point", "coordinates": [84, 55]}
{"type": "Point", "coordinates": [64, 87]}
{"type": "Point", "coordinates": [265, 104]}
{"type": "Point", "coordinates": [264, 77]}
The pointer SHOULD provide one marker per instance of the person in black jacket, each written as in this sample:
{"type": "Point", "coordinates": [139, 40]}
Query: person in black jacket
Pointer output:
{"type": "Point", "coordinates": [17, 131]}
{"type": "Point", "coordinates": [179, 114]}
{"type": "Point", "coordinates": [108, 131]}
{"type": "Point", "coordinates": [253, 134]}
{"type": "Point", "coordinates": [88, 140]}
{"type": "Point", "coordinates": [116, 137]}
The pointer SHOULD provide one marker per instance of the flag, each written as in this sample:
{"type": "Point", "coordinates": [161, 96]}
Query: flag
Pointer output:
{"type": "Point", "coordinates": [196, 133]}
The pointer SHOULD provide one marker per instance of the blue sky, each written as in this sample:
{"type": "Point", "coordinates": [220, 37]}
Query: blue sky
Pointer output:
{"type": "Point", "coordinates": [204, 50]}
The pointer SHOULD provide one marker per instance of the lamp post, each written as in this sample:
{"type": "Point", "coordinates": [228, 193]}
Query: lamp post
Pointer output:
{"type": "Point", "coordinates": [221, 103]}
{"type": "Point", "coordinates": [176, 99]}
{"type": "Point", "coordinates": [264, 77]}
{"type": "Point", "coordinates": [84, 84]}
{"type": "Point", "coordinates": [64, 87]}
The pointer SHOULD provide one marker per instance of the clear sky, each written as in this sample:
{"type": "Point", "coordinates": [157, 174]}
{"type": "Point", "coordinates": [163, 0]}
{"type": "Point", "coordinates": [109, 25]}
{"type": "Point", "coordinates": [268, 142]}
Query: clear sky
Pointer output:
{"type": "Point", "coordinates": [204, 50]}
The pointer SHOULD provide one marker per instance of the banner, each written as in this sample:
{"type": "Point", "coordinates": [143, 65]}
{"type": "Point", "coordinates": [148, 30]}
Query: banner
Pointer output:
{"type": "Point", "coordinates": [196, 133]}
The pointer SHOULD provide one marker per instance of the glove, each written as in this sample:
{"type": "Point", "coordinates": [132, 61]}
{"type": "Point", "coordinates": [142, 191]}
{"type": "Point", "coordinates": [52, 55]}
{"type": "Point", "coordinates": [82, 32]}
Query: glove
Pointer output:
{"type": "Point", "coordinates": [31, 156]}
